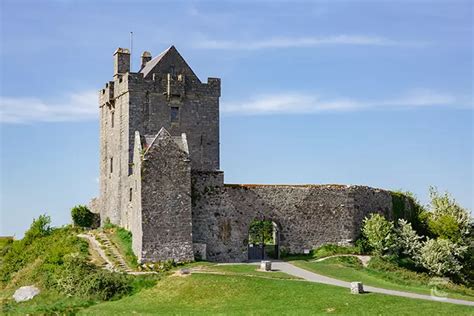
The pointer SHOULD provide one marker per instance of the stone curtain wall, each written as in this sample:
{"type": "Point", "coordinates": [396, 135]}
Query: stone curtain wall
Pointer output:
{"type": "Point", "coordinates": [166, 203]}
{"type": "Point", "coordinates": [308, 216]}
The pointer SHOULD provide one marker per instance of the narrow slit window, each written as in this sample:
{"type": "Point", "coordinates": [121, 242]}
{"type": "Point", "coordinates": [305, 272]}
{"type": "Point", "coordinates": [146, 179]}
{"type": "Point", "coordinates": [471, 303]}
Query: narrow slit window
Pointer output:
{"type": "Point", "coordinates": [131, 194]}
{"type": "Point", "coordinates": [174, 114]}
{"type": "Point", "coordinates": [112, 119]}
{"type": "Point", "coordinates": [111, 164]}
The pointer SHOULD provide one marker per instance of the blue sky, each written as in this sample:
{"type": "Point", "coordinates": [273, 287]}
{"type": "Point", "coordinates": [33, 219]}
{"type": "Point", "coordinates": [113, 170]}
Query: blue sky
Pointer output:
{"type": "Point", "coordinates": [375, 93]}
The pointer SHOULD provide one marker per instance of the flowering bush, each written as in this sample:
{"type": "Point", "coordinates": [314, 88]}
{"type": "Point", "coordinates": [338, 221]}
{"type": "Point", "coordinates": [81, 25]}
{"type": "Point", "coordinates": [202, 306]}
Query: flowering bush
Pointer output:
{"type": "Point", "coordinates": [442, 256]}
{"type": "Point", "coordinates": [379, 233]}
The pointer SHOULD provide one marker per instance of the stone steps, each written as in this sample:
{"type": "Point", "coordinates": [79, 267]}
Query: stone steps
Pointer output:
{"type": "Point", "coordinates": [111, 251]}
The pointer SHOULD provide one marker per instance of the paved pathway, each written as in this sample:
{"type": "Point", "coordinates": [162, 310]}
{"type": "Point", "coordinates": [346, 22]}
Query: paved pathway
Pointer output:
{"type": "Point", "coordinates": [314, 277]}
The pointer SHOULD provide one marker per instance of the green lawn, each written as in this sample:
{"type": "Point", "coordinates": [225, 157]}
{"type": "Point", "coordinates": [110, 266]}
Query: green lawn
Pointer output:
{"type": "Point", "coordinates": [204, 294]}
{"type": "Point", "coordinates": [248, 270]}
{"type": "Point", "coordinates": [334, 268]}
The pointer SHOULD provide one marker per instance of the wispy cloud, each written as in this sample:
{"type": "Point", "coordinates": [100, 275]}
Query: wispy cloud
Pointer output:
{"type": "Point", "coordinates": [301, 103]}
{"type": "Point", "coordinates": [299, 42]}
{"type": "Point", "coordinates": [83, 106]}
{"type": "Point", "coordinates": [75, 107]}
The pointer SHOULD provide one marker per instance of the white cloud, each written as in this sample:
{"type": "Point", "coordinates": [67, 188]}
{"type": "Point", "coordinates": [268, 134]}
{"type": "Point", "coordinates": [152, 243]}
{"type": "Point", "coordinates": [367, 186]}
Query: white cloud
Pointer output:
{"type": "Point", "coordinates": [76, 107]}
{"type": "Point", "coordinates": [298, 42]}
{"type": "Point", "coordinates": [83, 106]}
{"type": "Point", "coordinates": [300, 103]}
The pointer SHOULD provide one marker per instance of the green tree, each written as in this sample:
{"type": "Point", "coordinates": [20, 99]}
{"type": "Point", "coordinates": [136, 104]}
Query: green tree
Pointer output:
{"type": "Point", "coordinates": [447, 219]}
{"type": "Point", "coordinates": [261, 231]}
{"type": "Point", "coordinates": [81, 216]}
{"type": "Point", "coordinates": [40, 227]}
{"type": "Point", "coordinates": [379, 233]}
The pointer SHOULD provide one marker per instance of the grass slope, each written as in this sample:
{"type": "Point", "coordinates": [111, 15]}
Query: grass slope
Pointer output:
{"type": "Point", "coordinates": [204, 294]}
{"type": "Point", "coordinates": [344, 269]}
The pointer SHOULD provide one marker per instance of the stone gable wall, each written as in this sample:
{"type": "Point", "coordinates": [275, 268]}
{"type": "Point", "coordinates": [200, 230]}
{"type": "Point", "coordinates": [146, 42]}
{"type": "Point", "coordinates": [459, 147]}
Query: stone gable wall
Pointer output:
{"type": "Point", "coordinates": [166, 216]}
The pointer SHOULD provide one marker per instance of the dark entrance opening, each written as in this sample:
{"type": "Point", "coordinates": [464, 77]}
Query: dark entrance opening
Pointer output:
{"type": "Point", "coordinates": [264, 238]}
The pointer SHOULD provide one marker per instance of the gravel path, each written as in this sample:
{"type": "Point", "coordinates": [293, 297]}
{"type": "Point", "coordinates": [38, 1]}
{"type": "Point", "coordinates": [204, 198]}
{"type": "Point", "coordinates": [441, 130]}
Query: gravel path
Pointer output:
{"type": "Point", "coordinates": [314, 277]}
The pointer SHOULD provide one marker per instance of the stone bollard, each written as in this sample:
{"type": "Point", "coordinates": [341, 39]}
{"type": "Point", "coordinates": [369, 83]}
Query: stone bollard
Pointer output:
{"type": "Point", "coordinates": [357, 288]}
{"type": "Point", "coordinates": [266, 265]}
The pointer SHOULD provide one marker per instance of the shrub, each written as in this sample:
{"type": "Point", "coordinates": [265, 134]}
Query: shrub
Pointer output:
{"type": "Point", "coordinates": [406, 206]}
{"type": "Point", "coordinates": [330, 250]}
{"type": "Point", "coordinates": [362, 244]}
{"type": "Point", "coordinates": [80, 278]}
{"type": "Point", "coordinates": [442, 257]}
{"type": "Point", "coordinates": [408, 241]}
{"type": "Point", "coordinates": [379, 233]}
{"type": "Point", "coordinates": [447, 218]}
{"type": "Point", "coordinates": [41, 252]}
{"type": "Point", "coordinates": [40, 227]}
{"type": "Point", "coordinates": [82, 216]}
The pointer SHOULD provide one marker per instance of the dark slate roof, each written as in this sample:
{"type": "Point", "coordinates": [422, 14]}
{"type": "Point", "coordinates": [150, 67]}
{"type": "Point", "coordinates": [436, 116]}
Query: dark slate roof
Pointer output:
{"type": "Point", "coordinates": [152, 63]}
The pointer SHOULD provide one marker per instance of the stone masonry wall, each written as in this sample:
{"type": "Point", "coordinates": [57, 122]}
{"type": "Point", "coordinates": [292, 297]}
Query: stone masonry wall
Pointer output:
{"type": "Point", "coordinates": [142, 102]}
{"type": "Point", "coordinates": [307, 216]}
{"type": "Point", "coordinates": [166, 216]}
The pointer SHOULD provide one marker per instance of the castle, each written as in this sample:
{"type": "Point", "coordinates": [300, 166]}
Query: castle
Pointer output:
{"type": "Point", "coordinates": [160, 176]}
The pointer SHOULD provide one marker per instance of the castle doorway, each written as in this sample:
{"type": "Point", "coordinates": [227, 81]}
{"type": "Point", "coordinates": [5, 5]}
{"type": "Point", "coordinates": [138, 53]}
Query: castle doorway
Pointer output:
{"type": "Point", "coordinates": [263, 240]}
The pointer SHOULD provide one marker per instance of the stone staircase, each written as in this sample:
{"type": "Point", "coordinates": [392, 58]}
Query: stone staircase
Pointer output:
{"type": "Point", "coordinates": [109, 252]}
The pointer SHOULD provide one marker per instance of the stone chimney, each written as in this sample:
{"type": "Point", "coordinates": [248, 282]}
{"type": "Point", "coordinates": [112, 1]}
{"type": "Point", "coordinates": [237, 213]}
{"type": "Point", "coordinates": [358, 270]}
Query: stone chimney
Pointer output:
{"type": "Point", "coordinates": [146, 57]}
{"type": "Point", "coordinates": [121, 61]}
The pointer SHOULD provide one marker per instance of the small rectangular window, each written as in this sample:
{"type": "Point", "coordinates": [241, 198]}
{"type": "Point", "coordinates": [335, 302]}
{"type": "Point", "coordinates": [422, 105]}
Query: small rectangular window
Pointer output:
{"type": "Point", "coordinates": [111, 165]}
{"type": "Point", "coordinates": [131, 194]}
{"type": "Point", "coordinates": [174, 114]}
{"type": "Point", "coordinates": [112, 119]}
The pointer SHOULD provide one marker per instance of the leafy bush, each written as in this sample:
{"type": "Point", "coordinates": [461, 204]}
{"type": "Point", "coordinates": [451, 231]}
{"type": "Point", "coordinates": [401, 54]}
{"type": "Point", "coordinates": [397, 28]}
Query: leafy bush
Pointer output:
{"type": "Point", "coordinates": [40, 227]}
{"type": "Point", "coordinates": [42, 254]}
{"type": "Point", "coordinates": [330, 250]}
{"type": "Point", "coordinates": [408, 242]}
{"type": "Point", "coordinates": [379, 233]}
{"type": "Point", "coordinates": [80, 278]}
{"type": "Point", "coordinates": [406, 206]}
{"type": "Point", "coordinates": [82, 216]}
{"type": "Point", "coordinates": [447, 218]}
{"type": "Point", "coordinates": [362, 244]}
{"type": "Point", "coordinates": [348, 261]}
{"type": "Point", "coordinates": [442, 257]}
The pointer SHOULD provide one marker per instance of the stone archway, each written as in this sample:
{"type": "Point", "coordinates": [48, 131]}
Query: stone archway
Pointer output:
{"type": "Point", "coordinates": [263, 240]}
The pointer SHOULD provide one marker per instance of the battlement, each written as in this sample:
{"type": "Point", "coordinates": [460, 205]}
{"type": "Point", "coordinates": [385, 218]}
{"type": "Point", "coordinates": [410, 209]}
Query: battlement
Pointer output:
{"type": "Point", "coordinates": [106, 95]}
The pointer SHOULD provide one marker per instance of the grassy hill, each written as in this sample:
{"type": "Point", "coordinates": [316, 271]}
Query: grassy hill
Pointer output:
{"type": "Point", "coordinates": [59, 263]}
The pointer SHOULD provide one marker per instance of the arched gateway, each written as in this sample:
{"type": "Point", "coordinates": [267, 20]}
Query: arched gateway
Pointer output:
{"type": "Point", "coordinates": [263, 240]}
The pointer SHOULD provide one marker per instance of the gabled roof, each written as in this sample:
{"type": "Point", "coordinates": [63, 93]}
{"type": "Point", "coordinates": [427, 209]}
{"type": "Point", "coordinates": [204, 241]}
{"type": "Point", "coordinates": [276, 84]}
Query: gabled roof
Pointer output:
{"type": "Point", "coordinates": [152, 63]}
{"type": "Point", "coordinates": [181, 141]}
{"type": "Point", "coordinates": [170, 55]}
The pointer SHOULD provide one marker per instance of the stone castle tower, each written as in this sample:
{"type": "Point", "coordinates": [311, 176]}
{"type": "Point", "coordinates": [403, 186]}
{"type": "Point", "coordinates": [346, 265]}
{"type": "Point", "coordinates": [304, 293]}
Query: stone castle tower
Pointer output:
{"type": "Point", "coordinates": [160, 178]}
{"type": "Point", "coordinates": [162, 105]}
